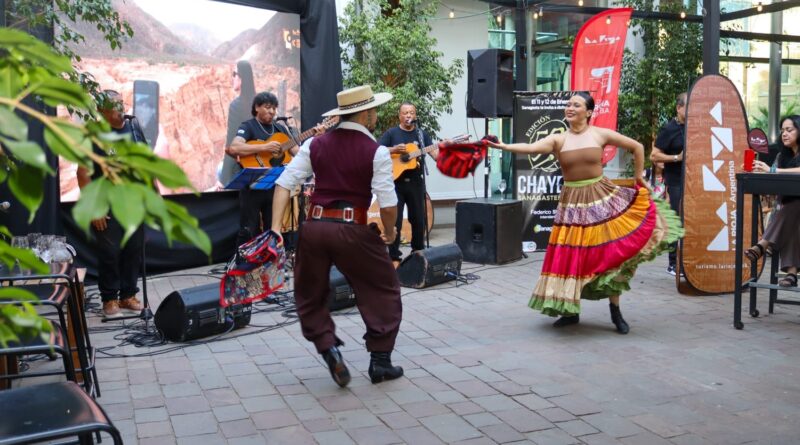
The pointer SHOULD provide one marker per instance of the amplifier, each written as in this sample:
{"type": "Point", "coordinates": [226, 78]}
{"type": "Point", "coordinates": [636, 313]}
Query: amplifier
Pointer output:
{"type": "Point", "coordinates": [341, 295]}
{"type": "Point", "coordinates": [195, 312]}
{"type": "Point", "coordinates": [430, 267]}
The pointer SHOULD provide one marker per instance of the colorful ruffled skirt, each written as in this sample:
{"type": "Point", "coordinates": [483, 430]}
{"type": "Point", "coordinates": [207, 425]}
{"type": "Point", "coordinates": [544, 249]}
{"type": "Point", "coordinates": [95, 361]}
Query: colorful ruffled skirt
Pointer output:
{"type": "Point", "coordinates": [601, 233]}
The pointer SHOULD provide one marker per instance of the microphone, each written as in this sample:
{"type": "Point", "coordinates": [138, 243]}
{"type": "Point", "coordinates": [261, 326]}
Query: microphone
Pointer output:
{"type": "Point", "coordinates": [283, 118]}
{"type": "Point", "coordinates": [4, 206]}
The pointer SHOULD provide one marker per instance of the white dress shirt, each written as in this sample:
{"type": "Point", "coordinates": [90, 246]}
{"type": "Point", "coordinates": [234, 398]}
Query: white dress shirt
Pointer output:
{"type": "Point", "coordinates": [382, 183]}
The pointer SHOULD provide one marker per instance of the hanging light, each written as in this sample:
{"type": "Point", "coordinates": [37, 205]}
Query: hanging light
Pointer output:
{"type": "Point", "coordinates": [608, 20]}
{"type": "Point", "coordinates": [500, 19]}
{"type": "Point", "coordinates": [759, 7]}
{"type": "Point", "coordinates": [683, 14]}
{"type": "Point", "coordinates": [580, 2]}
{"type": "Point", "coordinates": [452, 14]}
{"type": "Point", "coordinates": [535, 15]}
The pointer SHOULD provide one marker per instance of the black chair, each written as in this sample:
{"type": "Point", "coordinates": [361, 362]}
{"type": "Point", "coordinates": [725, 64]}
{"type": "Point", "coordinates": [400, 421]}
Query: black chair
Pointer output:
{"type": "Point", "coordinates": [52, 411]}
{"type": "Point", "coordinates": [56, 342]}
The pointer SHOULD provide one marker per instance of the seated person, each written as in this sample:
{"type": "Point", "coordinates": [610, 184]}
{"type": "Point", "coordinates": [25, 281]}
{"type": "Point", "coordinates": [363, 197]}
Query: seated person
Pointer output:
{"type": "Point", "coordinates": [783, 231]}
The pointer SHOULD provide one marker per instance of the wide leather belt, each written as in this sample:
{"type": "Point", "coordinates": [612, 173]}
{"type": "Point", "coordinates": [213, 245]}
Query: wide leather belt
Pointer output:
{"type": "Point", "coordinates": [347, 215]}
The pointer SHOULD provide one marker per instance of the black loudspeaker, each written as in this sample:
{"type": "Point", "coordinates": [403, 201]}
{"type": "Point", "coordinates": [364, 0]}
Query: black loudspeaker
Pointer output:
{"type": "Point", "coordinates": [430, 267]}
{"type": "Point", "coordinates": [341, 295]}
{"type": "Point", "coordinates": [195, 312]}
{"type": "Point", "coordinates": [490, 82]}
{"type": "Point", "coordinates": [489, 231]}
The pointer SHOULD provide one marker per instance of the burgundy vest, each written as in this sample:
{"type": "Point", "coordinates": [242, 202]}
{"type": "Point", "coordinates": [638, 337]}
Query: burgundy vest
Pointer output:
{"type": "Point", "coordinates": [342, 163]}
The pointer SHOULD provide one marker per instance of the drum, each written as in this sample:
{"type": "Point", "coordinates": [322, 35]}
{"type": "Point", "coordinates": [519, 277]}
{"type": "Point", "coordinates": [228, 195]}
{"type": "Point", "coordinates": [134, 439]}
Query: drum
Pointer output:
{"type": "Point", "coordinates": [374, 215]}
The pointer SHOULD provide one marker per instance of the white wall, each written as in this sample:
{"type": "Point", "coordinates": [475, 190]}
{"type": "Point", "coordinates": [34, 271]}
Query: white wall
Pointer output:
{"type": "Point", "coordinates": [454, 38]}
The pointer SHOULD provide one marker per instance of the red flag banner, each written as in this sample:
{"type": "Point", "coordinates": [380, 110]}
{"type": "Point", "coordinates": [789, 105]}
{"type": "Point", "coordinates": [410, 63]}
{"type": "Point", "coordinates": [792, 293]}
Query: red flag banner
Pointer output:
{"type": "Point", "coordinates": [597, 65]}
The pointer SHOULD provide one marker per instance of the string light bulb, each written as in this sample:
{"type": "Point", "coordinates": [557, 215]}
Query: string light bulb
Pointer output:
{"type": "Point", "coordinates": [580, 2]}
{"type": "Point", "coordinates": [608, 20]}
{"type": "Point", "coordinates": [541, 12]}
{"type": "Point", "coordinates": [535, 15]}
{"type": "Point", "coordinates": [499, 19]}
{"type": "Point", "coordinates": [759, 7]}
{"type": "Point", "coordinates": [683, 14]}
{"type": "Point", "coordinates": [452, 14]}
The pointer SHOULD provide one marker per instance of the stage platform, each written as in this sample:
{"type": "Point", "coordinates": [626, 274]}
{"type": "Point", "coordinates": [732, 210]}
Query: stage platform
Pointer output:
{"type": "Point", "coordinates": [480, 368]}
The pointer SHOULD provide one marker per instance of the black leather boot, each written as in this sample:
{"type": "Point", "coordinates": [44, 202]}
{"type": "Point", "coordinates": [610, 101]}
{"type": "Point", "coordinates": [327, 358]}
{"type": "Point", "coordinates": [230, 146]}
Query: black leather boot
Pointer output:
{"type": "Point", "coordinates": [567, 320]}
{"type": "Point", "coordinates": [616, 318]}
{"type": "Point", "coordinates": [335, 361]}
{"type": "Point", "coordinates": [380, 367]}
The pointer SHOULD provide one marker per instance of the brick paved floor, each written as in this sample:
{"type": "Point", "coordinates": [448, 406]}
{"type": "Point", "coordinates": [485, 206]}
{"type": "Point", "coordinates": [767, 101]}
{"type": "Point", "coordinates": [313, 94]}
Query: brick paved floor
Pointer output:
{"type": "Point", "coordinates": [480, 368]}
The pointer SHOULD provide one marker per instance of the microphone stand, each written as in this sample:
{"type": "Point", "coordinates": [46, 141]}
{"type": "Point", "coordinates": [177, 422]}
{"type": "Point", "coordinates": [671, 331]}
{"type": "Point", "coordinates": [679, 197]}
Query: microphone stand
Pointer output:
{"type": "Point", "coordinates": [422, 158]}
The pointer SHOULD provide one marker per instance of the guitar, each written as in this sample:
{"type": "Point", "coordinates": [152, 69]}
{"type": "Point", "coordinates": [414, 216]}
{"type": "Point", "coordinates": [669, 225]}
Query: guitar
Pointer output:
{"type": "Point", "coordinates": [269, 159]}
{"type": "Point", "coordinates": [401, 162]}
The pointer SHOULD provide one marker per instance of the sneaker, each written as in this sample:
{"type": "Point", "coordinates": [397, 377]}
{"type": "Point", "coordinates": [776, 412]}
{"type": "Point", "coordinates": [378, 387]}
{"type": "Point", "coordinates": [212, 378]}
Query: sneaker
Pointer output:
{"type": "Point", "coordinates": [131, 304]}
{"type": "Point", "coordinates": [671, 270]}
{"type": "Point", "coordinates": [111, 309]}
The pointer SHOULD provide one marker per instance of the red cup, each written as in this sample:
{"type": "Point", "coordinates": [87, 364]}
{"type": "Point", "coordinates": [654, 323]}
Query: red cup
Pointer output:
{"type": "Point", "coordinates": [749, 158]}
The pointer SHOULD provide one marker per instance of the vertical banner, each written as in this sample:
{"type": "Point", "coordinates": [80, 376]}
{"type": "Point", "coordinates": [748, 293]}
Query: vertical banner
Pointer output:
{"type": "Point", "coordinates": [538, 178]}
{"type": "Point", "coordinates": [597, 66]}
{"type": "Point", "coordinates": [716, 137]}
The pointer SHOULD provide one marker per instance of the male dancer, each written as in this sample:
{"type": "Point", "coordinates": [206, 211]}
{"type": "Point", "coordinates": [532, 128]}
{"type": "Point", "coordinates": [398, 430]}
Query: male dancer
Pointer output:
{"type": "Point", "coordinates": [410, 186]}
{"type": "Point", "coordinates": [349, 167]}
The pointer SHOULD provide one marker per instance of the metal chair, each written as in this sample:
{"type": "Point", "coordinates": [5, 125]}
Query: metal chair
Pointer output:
{"type": "Point", "coordinates": [55, 343]}
{"type": "Point", "coordinates": [52, 411]}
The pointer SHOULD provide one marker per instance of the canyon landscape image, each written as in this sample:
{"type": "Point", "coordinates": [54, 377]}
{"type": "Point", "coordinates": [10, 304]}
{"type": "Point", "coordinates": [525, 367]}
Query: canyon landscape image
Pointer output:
{"type": "Point", "coordinates": [193, 64]}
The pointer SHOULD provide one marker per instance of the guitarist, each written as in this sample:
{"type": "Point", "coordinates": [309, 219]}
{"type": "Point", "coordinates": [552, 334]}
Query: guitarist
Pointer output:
{"type": "Point", "coordinates": [410, 186]}
{"type": "Point", "coordinates": [255, 206]}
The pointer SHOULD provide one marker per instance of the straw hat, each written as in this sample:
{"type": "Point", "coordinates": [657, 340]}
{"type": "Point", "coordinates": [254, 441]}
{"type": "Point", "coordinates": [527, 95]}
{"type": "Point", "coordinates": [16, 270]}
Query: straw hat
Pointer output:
{"type": "Point", "coordinates": [358, 99]}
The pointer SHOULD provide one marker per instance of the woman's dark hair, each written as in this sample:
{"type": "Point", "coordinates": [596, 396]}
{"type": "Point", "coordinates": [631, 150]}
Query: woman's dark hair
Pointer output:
{"type": "Point", "coordinates": [263, 99]}
{"type": "Point", "coordinates": [787, 157]}
{"type": "Point", "coordinates": [589, 101]}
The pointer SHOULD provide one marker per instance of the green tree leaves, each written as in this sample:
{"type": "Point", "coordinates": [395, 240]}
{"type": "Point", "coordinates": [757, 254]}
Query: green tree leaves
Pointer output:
{"type": "Point", "coordinates": [651, 82]}
{"type": "Point", "coordinates": [34, 78]}
{"type": "Point", "coordinates": [391, 49]}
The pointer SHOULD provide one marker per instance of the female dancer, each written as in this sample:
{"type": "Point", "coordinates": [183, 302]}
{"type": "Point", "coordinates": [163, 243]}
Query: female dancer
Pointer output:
{"type": "Point", "coordinates": [601, 231]}
{"type": "Point", "coordinates": [783, 231]}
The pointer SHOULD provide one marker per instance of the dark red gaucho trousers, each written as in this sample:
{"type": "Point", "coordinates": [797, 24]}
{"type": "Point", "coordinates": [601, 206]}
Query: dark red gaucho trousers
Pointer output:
{"type": "Point", "coordinates": [362, 257]}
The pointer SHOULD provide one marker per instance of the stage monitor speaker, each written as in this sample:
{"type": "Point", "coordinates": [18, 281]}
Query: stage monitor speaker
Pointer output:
{"type": "Point", "coordinates": [195, 312]}
{"type": "Point", "coordinates": [490, 83]}
{"type": "Point", "coordinates": [341, 295]}
{"type": "Point", "coordinates": [430, 266]}
{"type": "Point", "coordinates": [489, 231]}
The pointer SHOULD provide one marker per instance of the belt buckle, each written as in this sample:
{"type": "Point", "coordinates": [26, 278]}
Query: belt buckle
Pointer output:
{"type": "Point", "coordinates": [316, 212]}
{"type": "Point", "coordinates": [348, 214]}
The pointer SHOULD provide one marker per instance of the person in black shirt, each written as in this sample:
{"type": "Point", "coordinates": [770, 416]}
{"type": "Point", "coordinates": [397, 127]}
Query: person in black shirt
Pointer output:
{"type": "Point", "coordinates": [255, 206]}
{"type": "Point", "coordinates": [409, 186]}
{"type": "Point", "coordinates": [669, 150]}
{"type": "Point", "coordinates": [117, 267]}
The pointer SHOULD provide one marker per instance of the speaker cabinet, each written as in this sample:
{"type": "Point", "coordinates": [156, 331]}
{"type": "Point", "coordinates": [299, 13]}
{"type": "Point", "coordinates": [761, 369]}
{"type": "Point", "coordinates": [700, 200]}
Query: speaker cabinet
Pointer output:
{"type": "Point", "coordinates": [430, 267]}
{"type": "Point", "coordinates": [489, 231]}
{"type": "Point", "coordinates": [490, 82]}
{"type": "Point", "coordinates": [195, 312]}
{"type": "Point", "coordinates": [341, 295]}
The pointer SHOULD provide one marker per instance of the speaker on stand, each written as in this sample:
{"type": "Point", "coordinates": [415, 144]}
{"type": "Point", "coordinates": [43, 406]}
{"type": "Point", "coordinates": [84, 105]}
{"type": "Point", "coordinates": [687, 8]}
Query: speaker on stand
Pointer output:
{"type": "Point", "coordinates": [490, 91]}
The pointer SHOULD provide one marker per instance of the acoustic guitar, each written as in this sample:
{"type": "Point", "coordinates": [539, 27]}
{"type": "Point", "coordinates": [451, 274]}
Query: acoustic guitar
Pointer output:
{"type": "Point", "coordinates": [401, 162]}
{"type": "Point", "coordinates": [269, 159]}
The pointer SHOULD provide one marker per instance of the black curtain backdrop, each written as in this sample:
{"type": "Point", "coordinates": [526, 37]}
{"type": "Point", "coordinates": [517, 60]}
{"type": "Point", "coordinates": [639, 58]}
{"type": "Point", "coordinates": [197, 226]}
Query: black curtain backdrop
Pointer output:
{"type": "Point", "coordinates": [218, 213]}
